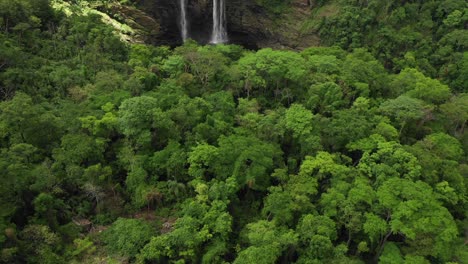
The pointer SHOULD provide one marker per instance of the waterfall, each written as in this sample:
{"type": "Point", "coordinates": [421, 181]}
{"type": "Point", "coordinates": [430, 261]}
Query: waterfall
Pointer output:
{"type": "Point", "coordinates": [183, 19]}
{"type": "Point", "coordinates": [219, 34]}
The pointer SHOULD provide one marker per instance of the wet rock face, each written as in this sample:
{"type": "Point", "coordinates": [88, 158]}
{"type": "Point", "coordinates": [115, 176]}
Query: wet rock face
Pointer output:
{"type": "Point", "coordinates": [201, 21]}
{"type": "Point", "coordinates": [244, 23]}
{"type": "Point", "coordinates": [166, 13]}
{"type": "Point", "coordinates": [248, 24]}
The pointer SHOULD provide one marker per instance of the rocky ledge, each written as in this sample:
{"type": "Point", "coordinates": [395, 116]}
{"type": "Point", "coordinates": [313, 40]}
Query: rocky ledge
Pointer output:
{"type": "Point", "coordinates": [249, 24]}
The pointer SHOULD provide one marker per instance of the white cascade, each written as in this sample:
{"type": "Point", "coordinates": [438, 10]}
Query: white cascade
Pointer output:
{"type": "Point", "coordinates": [219, 34]}
{"type": "Point", "coordinates": [183, 20]}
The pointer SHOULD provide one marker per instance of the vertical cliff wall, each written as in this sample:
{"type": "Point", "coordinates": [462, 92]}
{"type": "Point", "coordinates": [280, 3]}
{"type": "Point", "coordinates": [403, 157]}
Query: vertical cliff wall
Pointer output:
{"type": "Point", "coordinates": [248, 23]}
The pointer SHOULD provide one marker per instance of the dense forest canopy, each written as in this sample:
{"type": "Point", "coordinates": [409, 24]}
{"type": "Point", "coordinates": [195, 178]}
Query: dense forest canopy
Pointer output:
{"type": "Point", "coordinates": [351, 152]}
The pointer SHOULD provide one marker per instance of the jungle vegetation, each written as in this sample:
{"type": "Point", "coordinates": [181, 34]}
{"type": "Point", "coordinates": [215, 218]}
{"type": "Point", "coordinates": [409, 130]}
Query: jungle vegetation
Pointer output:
{"type": "Point", "coordinates": [352, 152]}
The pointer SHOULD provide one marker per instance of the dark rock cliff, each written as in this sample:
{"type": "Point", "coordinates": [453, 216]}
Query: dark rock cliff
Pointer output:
{"type": "Point", "coordinates": [248, 23]}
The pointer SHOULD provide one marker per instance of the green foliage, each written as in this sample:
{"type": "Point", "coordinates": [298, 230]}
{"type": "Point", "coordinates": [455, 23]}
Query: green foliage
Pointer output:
{"type": "Point", "coordinates": [127, 236]}
{"type": "Point", "coordinates": [311, 225]}
{"type": "Point", "coordinates": [215, 154]}
{"type": "Point", "coordinates": [40, 245]}
{"type": "Point", "coordinates": [83, 247]}
{"type": "Point", "coordinates": [325, 98]}
{"type": "Point", "coordinates": [403, 110]}
{"type": "Point", "coordinates": [203, 223]}
{"type": "Point", "coordinates": [273, 72]}
{"type": "Point", "coordinates": [267, 241]}
{"type": "Point", "coordinates": [275, 6]}
{"type": "Point", "coordinates": [26, 122]}
{"type": "Point", "coordinates": [416, 85]}
{"type": "Point", "coordinates": [433, 222]}
{"type": "Point", "coordinates": [423, 35]}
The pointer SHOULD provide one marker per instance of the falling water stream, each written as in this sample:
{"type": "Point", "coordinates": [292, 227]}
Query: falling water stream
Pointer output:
{"type": "Point", "coordinates": [183, 19]}
{"type": "Point", "coordinates": [219, 34]}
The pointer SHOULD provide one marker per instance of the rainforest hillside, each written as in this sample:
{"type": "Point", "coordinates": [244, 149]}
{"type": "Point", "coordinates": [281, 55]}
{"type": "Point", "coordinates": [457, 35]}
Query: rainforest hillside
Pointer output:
{"type": "Point", "coordinates": [323, 132]}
